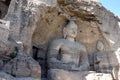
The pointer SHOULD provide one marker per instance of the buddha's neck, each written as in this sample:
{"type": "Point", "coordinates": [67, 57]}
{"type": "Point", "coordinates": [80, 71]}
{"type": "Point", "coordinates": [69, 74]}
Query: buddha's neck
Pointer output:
{"type": "Point", "coordinates": [71, 39]}
{"type": "Point", "coordinates": [100, 50]}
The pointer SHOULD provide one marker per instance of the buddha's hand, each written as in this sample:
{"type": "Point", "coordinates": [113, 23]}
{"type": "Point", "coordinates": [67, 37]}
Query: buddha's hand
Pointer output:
{"type": "Point", "coordinates": [83, 67]}
{"type": "Point", "coordinates": [99, 58]}
{"type": "Point", "coordinates": [75, 68]}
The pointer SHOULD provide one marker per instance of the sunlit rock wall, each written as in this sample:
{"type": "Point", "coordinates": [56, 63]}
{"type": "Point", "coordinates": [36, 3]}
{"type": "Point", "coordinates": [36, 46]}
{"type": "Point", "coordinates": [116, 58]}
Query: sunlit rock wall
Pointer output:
{"type": "Point", "coordinates": [37, 22]}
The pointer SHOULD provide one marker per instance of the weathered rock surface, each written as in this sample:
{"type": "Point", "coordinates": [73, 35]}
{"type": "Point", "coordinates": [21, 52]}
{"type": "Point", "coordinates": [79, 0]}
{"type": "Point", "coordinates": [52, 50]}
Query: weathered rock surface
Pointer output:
{"type": "Point", "coordinates": [42, 18]}
{"type": "Point", "coordinates": [4, 34]}
{"type": "Point", "coordinates": [4, 76]}
{"type": "Point", "coordinates": [23, 66]}
{"type": "Point", "coordinates": [27, 78]}
{"type": "Point", "coordinates": [38, 22]}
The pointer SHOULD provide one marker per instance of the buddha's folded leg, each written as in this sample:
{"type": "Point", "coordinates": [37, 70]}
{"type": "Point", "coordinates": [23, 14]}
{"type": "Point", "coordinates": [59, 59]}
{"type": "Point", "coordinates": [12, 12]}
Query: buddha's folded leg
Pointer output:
{"type": "Point", "coordinates": [59, 74]}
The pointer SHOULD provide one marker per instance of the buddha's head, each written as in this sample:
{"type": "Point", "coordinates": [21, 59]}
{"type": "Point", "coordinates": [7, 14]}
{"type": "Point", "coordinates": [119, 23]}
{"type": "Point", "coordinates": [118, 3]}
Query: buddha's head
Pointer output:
{"type": "Point", "coordinates": [100, 45]}
{"type": "Point", "coordinates": [70, 30]}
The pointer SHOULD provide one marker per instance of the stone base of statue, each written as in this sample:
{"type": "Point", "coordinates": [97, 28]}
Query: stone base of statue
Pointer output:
{"type": "Point", "coordinates": [59, 74]}
{"type": "Point", "coordinates": [98, 76]}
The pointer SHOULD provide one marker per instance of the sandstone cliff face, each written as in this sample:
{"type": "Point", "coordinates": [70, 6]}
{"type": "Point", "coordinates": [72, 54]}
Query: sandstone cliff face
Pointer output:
{"type": "Point", "coordinates": [37, 22]}
{"type": "Point", "coordinates": [32, 19]}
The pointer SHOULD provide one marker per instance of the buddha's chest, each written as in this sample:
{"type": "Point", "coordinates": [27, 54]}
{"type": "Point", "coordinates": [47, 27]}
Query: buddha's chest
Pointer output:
{"type": "Point", "coordinates": [70, 53]}
{"type": "Point", "coordinates": [70, 48]}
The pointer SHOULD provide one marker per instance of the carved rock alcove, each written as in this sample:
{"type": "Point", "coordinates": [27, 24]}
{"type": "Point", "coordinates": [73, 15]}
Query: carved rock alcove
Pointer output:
{"type": "Point", "coordinates": [37, 22]}
{"type": "Point", "coordinates": [50, 26]}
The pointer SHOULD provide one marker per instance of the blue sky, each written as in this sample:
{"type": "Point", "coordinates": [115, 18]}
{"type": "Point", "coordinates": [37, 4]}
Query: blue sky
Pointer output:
{"type": "Point", "coordinates": [112, 5]}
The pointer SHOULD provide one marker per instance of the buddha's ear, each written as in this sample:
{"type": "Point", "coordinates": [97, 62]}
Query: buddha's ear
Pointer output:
{"type": "Point", "coordinates": [64, 32]}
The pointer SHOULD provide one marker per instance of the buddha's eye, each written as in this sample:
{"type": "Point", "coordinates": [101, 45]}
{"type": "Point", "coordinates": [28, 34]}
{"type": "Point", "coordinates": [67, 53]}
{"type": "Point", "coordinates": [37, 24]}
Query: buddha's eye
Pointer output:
{"type": "Point", "coordinates": [80, 31]}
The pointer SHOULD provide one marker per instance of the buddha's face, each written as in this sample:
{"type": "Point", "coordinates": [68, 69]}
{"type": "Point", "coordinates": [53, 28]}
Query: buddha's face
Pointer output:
{"type": "Point", "coordinates": [71, 30]}
{"type": "Point", "coordinates": [100, 46]}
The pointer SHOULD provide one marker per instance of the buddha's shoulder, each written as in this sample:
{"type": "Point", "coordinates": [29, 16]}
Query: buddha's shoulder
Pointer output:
{"type": "Point", "coordinates": [58, 41]}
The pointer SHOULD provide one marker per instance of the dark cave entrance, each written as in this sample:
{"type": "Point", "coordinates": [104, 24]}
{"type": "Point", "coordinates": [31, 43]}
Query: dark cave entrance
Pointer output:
{"type": "Point", "coordinates": [35, 51]}
{"type": "Point", "coordinates": [39, 55]}
{"type": "Point", "coordinates": [4, 5]}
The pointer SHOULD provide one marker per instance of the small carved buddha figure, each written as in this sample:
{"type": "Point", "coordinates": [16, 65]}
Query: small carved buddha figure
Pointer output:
{"type": "Point", "coordinates": [20, 47]}
{"type": "Point", "coordinates": [105, 61]}
{"type": "Point", "coordinates": [67, 56]}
